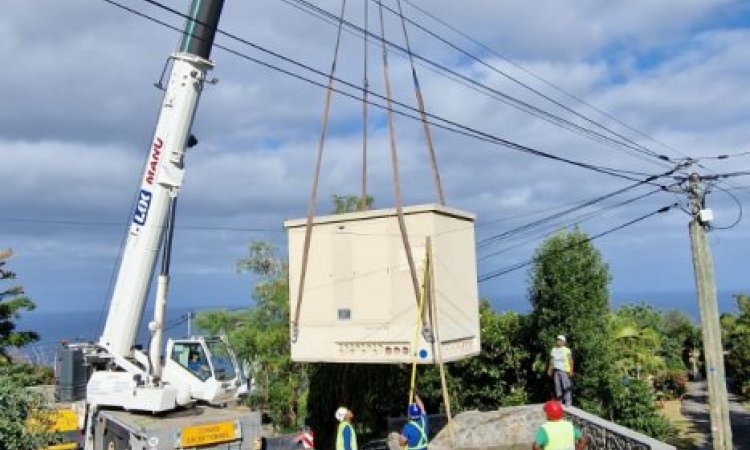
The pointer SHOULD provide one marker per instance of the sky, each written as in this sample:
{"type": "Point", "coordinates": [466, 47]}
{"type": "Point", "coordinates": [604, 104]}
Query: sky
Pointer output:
{"type": "Point", "coordinates": [79, 107]}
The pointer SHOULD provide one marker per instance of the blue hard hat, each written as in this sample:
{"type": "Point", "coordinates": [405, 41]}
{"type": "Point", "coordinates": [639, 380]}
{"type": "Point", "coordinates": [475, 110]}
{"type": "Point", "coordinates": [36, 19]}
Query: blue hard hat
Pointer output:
{"type": "Point", "coordinates": [414, 410]}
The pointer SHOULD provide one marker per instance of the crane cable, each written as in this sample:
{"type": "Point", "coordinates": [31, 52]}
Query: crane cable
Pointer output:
{"type": "Point", "coordinates": [316, 178]}
{"type": "Point", "coordinates": [422, 113]}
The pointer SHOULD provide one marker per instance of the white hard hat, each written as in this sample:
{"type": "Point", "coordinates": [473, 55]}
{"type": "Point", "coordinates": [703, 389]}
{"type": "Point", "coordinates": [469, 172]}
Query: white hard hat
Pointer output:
{"type": "Point", "coordinates": [560, 337]}
{"type": "Point", "coordinates": [341, 413]}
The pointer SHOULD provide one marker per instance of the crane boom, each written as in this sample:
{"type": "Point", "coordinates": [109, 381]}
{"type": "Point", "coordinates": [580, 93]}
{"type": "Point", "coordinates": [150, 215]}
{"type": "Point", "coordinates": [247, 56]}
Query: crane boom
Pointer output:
{"type": "Point", "coordinates": [162, 178]}
{"type": "Point", "coordinates": [198, 372]}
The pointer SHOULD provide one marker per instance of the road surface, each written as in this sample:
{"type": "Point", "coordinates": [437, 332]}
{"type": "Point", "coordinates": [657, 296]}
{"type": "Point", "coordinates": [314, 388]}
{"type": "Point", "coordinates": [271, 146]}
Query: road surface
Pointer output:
{"type": "Point", "coordinates": [695, 409]}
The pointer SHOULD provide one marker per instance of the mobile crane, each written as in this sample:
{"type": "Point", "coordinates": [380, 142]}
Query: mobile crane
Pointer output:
{"type": "Point", "coordinates": [136, 399]}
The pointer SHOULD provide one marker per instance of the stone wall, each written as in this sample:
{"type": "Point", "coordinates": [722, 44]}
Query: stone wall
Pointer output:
{"type": "Point", "coordinates": [604, 434]}
{"type": "Point", "coordinates": [514, 428]}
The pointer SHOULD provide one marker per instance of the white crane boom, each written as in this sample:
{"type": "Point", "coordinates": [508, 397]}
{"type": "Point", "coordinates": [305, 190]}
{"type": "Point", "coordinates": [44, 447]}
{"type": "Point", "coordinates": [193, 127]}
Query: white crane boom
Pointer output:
{"type": "Point", "coordinates": [162, 179]}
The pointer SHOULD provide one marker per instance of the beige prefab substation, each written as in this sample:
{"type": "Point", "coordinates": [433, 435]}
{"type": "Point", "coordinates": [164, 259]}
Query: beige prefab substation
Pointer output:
{"type": "Point", "coordinates": [359, 303]}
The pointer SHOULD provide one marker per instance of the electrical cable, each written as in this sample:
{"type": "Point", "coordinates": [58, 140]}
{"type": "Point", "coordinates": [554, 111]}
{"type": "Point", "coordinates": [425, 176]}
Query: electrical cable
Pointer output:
{"type": "Point", "coordinates": [569, 95]}
{"type": "Point", "coordinates": [464, 83]}
{"type": "Point", "coordinates": [444, 124]}
{"type": "Point", "coordinates": [739, 205]}
{"type": "Point", "coordinates": [636, 146]}
{"type": "Point", "coordinates": [116, 224]}
{"type": "Point", "coordinates": [361, 31]}
{"type": "Point", "coordinates": [495, 238]}
{"type": "Point", "coordinates": [540, 78]}
{"type": "Point", "coordinates": [575, 221]}
{"type": "Point", "coordinates": [517, 266]}
{"type": "Point", "coordinates": [492, 92]}
{"type": "Point", "coordinates": [724, 156]}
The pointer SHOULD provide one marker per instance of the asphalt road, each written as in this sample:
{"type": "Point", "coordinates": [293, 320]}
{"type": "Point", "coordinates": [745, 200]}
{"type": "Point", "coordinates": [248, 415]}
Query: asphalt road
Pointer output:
{"type": "Point", "coordinates": [695, 408]}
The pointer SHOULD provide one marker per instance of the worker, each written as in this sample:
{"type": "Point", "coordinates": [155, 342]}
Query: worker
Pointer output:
{"type": "Point", "coordinates": [415, 431]}
{"type": "Point", "coordinates": [197, 364]}
{"type": "Point", "coordinates": [560, 368]}
{"type": "Point", "coordinates": [557, 433]}
{"type": "Point", "coordinates": [346, 438]}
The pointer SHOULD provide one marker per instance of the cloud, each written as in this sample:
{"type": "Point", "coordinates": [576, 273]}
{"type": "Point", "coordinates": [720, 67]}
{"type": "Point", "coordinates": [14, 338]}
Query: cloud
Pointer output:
{"type": "Point", "coordinates": [79, 109]}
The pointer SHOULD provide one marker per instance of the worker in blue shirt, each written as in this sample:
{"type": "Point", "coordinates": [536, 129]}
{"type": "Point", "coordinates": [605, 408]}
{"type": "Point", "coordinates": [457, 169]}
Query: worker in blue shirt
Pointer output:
{"type": "Point", "coordinates": [346, 438]}
{"type": "Point", "coordinates": [414, 433]}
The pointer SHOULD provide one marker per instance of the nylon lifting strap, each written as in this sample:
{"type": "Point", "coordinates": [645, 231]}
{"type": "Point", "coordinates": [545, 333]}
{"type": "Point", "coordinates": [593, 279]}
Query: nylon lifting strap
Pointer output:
{"type": "Point", "coordinates": [316, 178]}
{"type": "Point", "coordinates": [394, 161]}
{"type": "Point", "coordinates": [422, 113]}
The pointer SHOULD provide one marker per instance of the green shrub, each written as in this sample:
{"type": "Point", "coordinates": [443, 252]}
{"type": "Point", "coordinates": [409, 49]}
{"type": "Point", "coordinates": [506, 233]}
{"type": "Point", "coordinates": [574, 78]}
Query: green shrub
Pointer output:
{"type": "Point", "coordinates": [633, 406]}
{"type": "Point", "coordinates": [670, 384]}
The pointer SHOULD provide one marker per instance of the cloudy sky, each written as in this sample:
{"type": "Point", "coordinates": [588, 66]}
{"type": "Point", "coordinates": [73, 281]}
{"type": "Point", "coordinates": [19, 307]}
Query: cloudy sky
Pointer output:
{"type": "Point", "coordinates": [79, 106]}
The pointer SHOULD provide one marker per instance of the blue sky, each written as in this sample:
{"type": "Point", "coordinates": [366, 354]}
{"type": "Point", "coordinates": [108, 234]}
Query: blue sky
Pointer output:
{"type": "Point", "coordinates": [79, 107]}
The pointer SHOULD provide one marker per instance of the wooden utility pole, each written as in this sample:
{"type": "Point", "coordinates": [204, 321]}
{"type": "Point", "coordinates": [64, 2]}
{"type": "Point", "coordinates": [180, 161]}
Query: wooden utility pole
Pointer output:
{"type": "Point", "coordinates": [705, 283]}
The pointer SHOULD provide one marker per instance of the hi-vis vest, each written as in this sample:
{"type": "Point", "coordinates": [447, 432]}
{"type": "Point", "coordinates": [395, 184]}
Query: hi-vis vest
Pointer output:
{"type": "Point", "coordinates": [561, 358]}
{"type": "Point", "coordinates": [340, 437]}
{"type": "Point", "coordinates": [422, 444]}
{"type": "Point", "coordinates": [560, 435]}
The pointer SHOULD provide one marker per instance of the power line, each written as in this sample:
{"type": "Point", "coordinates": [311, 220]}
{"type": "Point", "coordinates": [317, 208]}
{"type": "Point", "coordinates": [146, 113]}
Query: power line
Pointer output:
{"type": "Point", "coordinates": [574, 97]}
{"type": "Point", "coordinates": [444, 124]}
{"type": "Point", "coordinates": [540, 78]}
{"type": "Point", "coordinates": [492, 92]}
{"type": "Point", "coordinates": [739, 206]}
{"type": "Point", "coordinates": [453, 78]}
{"type": "Point", "coordinates": [84, 223]}
{"type": "Point", "coordinates": [521, 265]}
{"type": "Point", "coordinates": [495, 238]}
{"type": "Point", "coordinates": [633, 145]}
{"type": "Point", "coordinates": [576, 221]}
{"type": "Point", "coordinates": [723, 156]}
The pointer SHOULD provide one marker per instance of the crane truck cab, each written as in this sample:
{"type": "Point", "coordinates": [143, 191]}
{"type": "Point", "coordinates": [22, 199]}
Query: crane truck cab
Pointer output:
{"type": "Point", "coordinates": [205, 367]}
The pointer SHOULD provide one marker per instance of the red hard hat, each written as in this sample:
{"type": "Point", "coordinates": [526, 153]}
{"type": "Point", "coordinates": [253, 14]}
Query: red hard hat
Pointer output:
{"type": "Point", "coordinates": [554, 410]}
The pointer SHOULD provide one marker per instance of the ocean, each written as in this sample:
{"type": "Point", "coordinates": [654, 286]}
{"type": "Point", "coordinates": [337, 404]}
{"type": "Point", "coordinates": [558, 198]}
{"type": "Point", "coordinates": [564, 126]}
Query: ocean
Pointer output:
{"type": "Point", "coordinates": [77, 326]}
{"type": "Point", "coordinates": [86, 326]}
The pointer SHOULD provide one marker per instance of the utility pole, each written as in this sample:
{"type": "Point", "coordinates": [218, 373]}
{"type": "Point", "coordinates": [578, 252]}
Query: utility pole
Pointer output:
{"type": "Point", "coordinates": [190, 316]}
{"type": "Point", "coordinates": [705, 283]}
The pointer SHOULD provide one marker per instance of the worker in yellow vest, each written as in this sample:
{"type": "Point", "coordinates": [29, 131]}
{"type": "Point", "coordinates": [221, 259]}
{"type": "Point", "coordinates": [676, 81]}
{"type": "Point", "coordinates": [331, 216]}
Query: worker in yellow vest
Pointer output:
{"type": "Point", "coordinates": [557, 433]}
{"type": "Point", "coordinates": [346, 438]}
{"type": "Point", "coordinates": [561, 370]}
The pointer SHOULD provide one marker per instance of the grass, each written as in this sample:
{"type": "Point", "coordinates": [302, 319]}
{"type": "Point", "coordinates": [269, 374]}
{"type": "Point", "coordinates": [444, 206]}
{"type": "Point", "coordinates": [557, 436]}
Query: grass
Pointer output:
{"type": "Point", "coordinates": [687, 436]}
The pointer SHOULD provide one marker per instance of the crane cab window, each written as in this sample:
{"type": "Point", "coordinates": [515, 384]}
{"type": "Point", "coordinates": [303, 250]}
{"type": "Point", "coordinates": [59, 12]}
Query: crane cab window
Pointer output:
{"type": "Point", "coordinates": [222, 360]}
{"type": "Point", "coordinates": [192, 357]}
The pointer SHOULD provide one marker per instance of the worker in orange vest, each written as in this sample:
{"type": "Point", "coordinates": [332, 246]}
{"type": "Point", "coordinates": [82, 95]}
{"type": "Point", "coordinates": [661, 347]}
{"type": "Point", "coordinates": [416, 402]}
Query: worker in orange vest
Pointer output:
{"type": "Point", "coordinates": [558, 433]}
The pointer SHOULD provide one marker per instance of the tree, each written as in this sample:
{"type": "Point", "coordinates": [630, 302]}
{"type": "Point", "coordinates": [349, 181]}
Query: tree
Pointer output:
{"type": "Point", "coordinates": [736, 336]}
{"type": "Point", "coordinates": [260, 338]}
{"type": "Point", "coordinates": [638, 341]}
{"type": "Point", "coordinates": [12, 302]}
{"type": "Point", "coordinates": [497, 376]}
{"type": "Point", "coordinates": [654, 346]}
{"type": "Point", "coordinates": [569, 294]}
{"type": "Point", "coordinates": [350, 203]}
{"type": "Point", "coordinates": [633, 407]}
